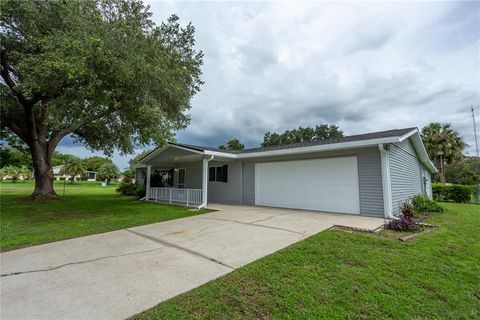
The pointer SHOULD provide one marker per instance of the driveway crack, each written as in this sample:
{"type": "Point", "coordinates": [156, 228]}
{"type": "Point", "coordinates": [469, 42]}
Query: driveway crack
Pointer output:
{"type": "Point", "coordinates": [254, 224]}
{"type": "Point", "coordinates": [77, 262]}
{"type": "Point", "coordinates": [173, 245]}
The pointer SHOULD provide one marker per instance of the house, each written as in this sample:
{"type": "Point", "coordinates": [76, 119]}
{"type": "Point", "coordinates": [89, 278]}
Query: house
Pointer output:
{"type": "Point", "coordinates": [90, 175]}
{"type": "Point", "coordinates": [368, 174]}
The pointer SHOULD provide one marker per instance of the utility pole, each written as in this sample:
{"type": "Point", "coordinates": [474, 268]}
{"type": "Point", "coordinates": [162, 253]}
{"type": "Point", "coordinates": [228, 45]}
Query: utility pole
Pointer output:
{"type": "Point", "coordinates": [475, 129]}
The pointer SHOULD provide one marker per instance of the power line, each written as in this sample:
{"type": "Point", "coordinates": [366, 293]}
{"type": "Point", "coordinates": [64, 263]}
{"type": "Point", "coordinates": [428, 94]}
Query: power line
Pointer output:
{"type": "Point", "coordinates": [475, 129]}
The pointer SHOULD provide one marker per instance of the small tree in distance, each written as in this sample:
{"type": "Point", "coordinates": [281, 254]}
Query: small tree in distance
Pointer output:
{"type": "Point", "coordinates": [444, 145]}
{"type": "Point", "coordinates": [321, 132]}
{"type": "Point", "coordinates": [108, 172]}
{"type": "Point", "coordinates": [13, 172]}
{"type": "Point", "coordinates": [232, 145]}
{"type": "Point", "coordinates": [73, 167]}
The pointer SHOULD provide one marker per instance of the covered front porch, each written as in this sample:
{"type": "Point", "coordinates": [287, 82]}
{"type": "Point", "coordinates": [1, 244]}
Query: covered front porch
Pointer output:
{"type": "Point", "coordinates": [178, 175]}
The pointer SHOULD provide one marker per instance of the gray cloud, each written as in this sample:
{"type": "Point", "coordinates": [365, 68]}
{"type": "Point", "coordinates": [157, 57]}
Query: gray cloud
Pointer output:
{"type": "Point", "coordinates": [275, 66]}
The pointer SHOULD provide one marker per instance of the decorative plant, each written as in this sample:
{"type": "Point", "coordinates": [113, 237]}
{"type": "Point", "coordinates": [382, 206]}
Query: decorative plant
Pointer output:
{"type": "Point", "coordinates": [407, 210]}
{"type": "Point", "coordinates": [402, 224]}
{"type": "Point", "coordinates": [406, 222]}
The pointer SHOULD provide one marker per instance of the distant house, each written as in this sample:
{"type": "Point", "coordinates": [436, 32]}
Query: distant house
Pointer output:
{"type": "Point", "coordinates": [368, 174]}
{"type": "Point", "coordinates": [91, 175]}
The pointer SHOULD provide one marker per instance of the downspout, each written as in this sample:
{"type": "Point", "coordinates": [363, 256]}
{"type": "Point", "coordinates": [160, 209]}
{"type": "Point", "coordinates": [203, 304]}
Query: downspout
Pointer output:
{"type": "Point", "coordinates": [205, 181]}
{"type": "Point", "coordinates": [386, 181]}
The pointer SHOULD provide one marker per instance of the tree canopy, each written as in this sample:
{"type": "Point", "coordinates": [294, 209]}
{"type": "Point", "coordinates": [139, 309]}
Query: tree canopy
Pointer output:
{"type": "Point", "coordinates": [466, 171]}
{"type": "Point", "coordinates": [320, 132]}
{"type": "Point", "coordinates": [232, 145]}
{"type": "Point", "coordinates": [95, 162]}
{"type": "Point", "coordinates": [73, 167]}
{"type": "Point", "coordinates": [444, 145]}
{"type": "Point", "coordinates": [99, 70]}
{"type": "Point", "coordinates": [134, 161]}
{"type": "Point", "coordinates": [108, 171]}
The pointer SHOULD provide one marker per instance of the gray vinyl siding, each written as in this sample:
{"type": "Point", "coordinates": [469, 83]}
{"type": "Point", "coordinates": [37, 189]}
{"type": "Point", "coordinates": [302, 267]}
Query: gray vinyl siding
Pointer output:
{"type": "Point", "coordinates": [369, 176]}
{"type": "Point", "coordinates": [229, 192]}
{"type": "Point", "coordinates": [140, 174]}
{"type": "Point", "coordinates": [370, 183]}
{"type": "Point", "coordinates": [405, 173]}
{"type": "Point", "coordinates": [193, 175]}
{"type": "Point", "coordinates": [249, 183]}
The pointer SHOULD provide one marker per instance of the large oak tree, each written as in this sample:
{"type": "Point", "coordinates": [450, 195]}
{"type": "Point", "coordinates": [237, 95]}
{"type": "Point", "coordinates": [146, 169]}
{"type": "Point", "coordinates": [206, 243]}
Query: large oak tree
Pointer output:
{"type": "Point", "coordinates": [99, 70]}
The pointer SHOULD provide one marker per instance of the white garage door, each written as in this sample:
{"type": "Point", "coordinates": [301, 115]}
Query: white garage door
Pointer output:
{"type": "Point", "coordinates": [319, 184]}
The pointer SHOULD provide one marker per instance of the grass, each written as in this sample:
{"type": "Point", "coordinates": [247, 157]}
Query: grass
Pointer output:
{"type": "Point", "coordinates": [87, 208]}
{"type": "Point", "coordinates": [340, 275]}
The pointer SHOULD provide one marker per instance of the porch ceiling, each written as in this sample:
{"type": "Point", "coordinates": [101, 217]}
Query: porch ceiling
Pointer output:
{"type": "Point", "coordinates": [170, 156]}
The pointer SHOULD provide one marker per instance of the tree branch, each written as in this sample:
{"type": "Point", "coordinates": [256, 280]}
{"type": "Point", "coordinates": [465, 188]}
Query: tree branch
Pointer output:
{"type": "Point", "coordinates": [4, 71]}
{"type": "Point", "coordinates": [57, 135]}
{"type": "Point", "coordinates": [18, 130]}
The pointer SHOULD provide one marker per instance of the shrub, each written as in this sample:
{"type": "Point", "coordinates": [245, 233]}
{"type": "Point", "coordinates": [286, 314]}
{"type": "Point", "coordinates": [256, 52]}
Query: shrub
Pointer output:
{"type": "Point", "coordinates": [460, 193]}
{"type": "Point", "coordinates": [402, 224]}
{"type": "Point", "coordinates": [141, 191]}
{"type": "Point", "coordinates": [407, 210]}
{"type": "Point", "coordinates": [453, 192]}
{"type": "Point", "coordinates": [424, 204]}
{"type": "Point", "coordinates": [62, 178]}
{"type": "Point", "coordinates": [127, 188]}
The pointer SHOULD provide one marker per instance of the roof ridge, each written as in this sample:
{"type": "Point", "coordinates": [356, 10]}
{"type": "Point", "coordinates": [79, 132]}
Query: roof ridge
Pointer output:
{"type": "Point", "coordinates": [292, 145]}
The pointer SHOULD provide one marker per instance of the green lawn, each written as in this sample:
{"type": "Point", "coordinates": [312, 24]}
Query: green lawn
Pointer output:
{"type": "Point", "coordinates": [87, 208]}
{"type": "Point", "coordinates": [340, 275]}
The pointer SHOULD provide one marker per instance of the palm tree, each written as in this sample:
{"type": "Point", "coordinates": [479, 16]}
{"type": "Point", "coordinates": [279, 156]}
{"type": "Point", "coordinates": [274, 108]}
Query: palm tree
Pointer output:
{"type": "Point", "coordinates": [73, 167]}
{"type": "Point", "coordinates": [108, 171]}
{"type": "Point", "coordinates": [13, 172]}
{"type": "Point", "coordinates": [25, 173]}
{"type": "Point", "coordinates": [444, 145]}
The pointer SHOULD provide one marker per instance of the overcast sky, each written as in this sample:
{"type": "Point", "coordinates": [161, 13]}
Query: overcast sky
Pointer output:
{"type": "Point", "coordinates": [272, 66]}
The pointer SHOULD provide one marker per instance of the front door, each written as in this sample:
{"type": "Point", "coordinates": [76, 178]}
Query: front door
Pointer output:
{"type": "Point", "coordinates": [182, 178]}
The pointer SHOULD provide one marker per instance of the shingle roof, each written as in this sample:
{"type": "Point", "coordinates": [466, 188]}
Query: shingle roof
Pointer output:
{"type": "Point", "coordinates": [358, 137]}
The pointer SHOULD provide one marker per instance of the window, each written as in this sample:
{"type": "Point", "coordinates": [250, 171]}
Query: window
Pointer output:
{"type": "Point", "coordinates": [211, 174]}
{"type": "Point", "coordinates": [218, 174]}
{"type": "Point", "coordinates": [181, 178]}
{"type": "Point", "coordinates": [162, 178]}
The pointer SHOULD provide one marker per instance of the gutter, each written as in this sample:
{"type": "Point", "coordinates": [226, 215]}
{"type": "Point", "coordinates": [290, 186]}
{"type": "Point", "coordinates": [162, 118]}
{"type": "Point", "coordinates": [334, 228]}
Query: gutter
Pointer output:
{"type": "Point", "coordinates": [386, 180]}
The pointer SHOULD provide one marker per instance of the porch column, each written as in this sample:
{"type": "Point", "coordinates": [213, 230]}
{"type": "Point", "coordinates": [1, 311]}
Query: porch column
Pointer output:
{"type": "Point", "coordinates": [149, 172]}
{"type": "Point", "coordinates": [204, 182]}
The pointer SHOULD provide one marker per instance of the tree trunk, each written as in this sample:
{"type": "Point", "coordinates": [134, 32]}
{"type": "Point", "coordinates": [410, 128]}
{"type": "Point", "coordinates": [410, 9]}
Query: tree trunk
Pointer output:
{"type": "Point", "coordinates": [42, 166]}
{"type": "Point", "coordinates": [441, 171]}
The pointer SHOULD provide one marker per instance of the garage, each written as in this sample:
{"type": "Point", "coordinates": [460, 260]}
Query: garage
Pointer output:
{"type": "Point", "coordinates": [328, 184]}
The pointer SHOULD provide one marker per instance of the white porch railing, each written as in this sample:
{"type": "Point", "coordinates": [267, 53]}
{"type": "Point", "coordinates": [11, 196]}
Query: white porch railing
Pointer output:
{"type": "Point", "coordinates": [175, 195]}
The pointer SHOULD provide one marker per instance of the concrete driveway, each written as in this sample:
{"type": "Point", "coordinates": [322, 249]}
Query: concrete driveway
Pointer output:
{"type": "Point", "coordinates": [118, 274]}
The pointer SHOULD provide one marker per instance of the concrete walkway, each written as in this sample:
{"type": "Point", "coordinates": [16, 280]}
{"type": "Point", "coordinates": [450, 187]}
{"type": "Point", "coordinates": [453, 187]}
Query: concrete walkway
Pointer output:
{"type": "Point", "coordinates": [118, 274]}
